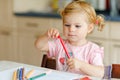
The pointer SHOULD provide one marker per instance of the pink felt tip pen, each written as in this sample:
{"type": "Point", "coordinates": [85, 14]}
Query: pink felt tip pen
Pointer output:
{"type": "Point", "coordinates": [64, 46]}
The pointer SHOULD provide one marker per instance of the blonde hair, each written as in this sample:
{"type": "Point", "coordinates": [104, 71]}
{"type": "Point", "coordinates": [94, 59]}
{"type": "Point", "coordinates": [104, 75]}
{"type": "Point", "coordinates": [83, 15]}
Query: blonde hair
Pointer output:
{"type": "Point", "coordinates": [82, 6]}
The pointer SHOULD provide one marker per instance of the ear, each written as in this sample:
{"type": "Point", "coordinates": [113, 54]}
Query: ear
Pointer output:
{"type": "Point", "coordinates": [90, 28]}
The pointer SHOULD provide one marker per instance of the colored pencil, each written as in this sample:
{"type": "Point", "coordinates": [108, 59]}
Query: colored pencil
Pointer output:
{"type": "Point", "coordinates": [15, 75]}
{"type": "Point", "coordinates": [29, 74]}
{"type": "Point", "coordinates": [40, 75]}
{"type": "Point", "coordinates": [20, 74]}
{"type": "Point", "coordinates": [65, 49]}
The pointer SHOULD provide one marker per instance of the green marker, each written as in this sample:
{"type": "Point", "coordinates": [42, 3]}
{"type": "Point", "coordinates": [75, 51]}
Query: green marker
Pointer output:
{"type": "Point", "coordinates": [40, 75]}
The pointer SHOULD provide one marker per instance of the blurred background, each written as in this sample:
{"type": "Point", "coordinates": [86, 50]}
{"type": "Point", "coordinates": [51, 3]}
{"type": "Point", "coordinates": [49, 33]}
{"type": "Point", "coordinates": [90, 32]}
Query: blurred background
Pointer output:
{"type": "Point", "coordinates": [22, 21]}
{"type": "Point", "coordinates": [110, 7]}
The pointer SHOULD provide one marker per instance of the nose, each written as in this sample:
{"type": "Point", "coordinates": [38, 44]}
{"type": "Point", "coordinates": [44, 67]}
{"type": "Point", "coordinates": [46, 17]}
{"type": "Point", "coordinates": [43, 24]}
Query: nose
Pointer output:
{"type": "Point", "coordinates": [72, 28]}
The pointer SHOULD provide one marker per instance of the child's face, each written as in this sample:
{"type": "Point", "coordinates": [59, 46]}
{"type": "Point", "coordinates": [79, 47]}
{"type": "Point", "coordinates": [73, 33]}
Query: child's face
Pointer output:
{"type": "Point", "coordinates": [75, 27]}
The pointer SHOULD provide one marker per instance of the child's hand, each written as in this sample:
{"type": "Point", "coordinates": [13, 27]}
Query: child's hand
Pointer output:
{"type": "Point", "coordinates": [52, 33]}
{"type": "Point", "coordinates": [73, 63]}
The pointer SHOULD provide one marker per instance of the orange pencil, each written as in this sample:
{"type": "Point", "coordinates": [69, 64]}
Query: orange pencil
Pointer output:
{"type": "Point", "coordinates": [29, 74]}
{"type": "Point", "coordinates": [15, 75]}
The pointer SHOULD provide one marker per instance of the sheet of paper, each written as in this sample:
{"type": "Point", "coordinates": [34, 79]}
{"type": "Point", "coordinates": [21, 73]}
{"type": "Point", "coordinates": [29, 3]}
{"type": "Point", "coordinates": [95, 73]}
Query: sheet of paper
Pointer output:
{"type": "Point", "coordinates": [54, 75]}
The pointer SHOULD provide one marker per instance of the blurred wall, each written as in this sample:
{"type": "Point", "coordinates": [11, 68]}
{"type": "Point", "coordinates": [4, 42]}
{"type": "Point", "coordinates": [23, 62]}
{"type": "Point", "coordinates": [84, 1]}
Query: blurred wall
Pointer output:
{"type": "Point", "coordinates": [31, 5]}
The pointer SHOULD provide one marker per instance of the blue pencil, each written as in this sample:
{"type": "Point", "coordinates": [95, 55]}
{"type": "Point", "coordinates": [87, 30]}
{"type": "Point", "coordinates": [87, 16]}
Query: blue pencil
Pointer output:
{"type": "Point", "coordinates": [20, 74]}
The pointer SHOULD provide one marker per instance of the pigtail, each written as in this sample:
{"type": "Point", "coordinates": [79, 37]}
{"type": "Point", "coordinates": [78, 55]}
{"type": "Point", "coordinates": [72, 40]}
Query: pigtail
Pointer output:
{"type": "Point", "coordinates": [100, 22]}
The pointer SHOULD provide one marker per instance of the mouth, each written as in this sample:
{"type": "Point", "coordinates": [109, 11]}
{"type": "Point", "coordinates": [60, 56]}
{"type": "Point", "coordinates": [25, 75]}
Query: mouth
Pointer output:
{"type": "Point", "coordinates": [71, 35]}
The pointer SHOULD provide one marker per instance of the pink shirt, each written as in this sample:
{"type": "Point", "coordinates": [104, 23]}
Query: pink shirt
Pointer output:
{"type": "Point", "coordinates": [90, 53]}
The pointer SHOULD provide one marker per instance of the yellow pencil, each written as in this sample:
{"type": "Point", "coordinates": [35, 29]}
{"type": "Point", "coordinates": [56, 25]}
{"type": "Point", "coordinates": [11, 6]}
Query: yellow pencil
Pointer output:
{"type": "Point", "coordinates": [29, 74]}
{"type": "Point", "coordinates": [15, 75]}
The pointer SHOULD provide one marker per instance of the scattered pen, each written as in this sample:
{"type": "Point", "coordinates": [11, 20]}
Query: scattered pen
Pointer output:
{"type": "Point", "coordinates": [40, 75]}
{"type": "Point", "coordinates": [15, 75]}
{"type": "Point", "coordinates": [83, 78]}
{"type": "Point", "coordinates": [20, 74]}
{"type": "Point", "coordinates": [64, 46]}
{"type": "Point", "coordinates": [29, 74]}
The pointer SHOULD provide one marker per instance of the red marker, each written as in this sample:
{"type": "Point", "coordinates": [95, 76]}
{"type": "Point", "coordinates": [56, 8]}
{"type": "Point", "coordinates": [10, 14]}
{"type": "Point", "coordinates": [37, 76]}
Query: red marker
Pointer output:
{"type": "Point", "coordinates": [64, 46]}
{"type": "Point", "coordinates": [85, 78]}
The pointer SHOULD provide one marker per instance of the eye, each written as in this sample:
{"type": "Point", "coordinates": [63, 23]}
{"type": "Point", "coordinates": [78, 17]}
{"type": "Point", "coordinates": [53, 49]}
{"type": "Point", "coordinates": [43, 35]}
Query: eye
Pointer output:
{"type": "Point", "coordinates": [67, 25]}
{"type": "Point", "coordinates": [77, 26]}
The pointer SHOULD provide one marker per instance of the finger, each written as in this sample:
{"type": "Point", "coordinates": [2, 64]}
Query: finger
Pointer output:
{"type": "Point", "coordinates": [50, 32]}
{"type": "Point", "coordinates": [70, 67]}
{"type": "Point", "coordinates": [56, 33]}
{"type": "Point", "coordinates": [69, 60]}
{"type": "Point", "coordinates": [70, 63]}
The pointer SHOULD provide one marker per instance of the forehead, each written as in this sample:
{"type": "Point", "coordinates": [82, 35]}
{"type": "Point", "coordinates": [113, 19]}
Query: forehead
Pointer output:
{"type": "Point", "coordinates": [75, 17]}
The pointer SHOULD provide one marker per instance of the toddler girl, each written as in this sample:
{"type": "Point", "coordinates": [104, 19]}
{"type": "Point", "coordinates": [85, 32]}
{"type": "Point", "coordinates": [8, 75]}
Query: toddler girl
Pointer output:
{"type": "Point", "coordinates": [79, 19]}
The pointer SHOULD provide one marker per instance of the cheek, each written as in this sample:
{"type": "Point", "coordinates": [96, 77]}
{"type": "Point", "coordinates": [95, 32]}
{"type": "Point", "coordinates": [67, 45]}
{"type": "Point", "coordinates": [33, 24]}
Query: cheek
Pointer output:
{"type": "Point", "coordinates": [65, 30]}
{"type": "Point", "coordinates": [82, 32]}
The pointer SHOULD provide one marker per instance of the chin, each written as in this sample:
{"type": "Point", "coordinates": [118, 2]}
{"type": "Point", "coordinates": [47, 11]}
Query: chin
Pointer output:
{"type": "Point", "coordinates": [72, 37]}
{"type": "Point", "coordinates": [72, 40]}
